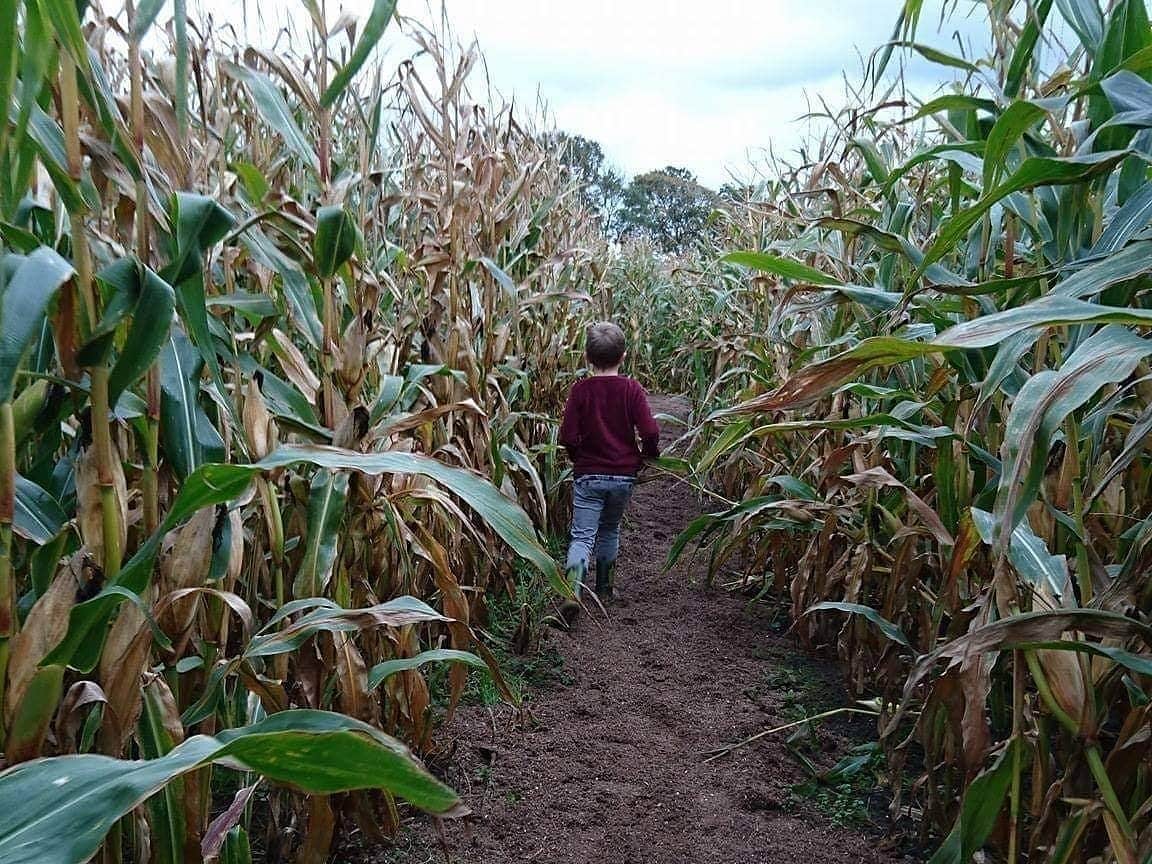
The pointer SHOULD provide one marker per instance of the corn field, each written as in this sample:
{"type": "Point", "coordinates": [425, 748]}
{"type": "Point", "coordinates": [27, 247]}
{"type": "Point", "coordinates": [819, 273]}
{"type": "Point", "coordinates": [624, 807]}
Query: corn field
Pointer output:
{"type": "Point", "coordinates": [283, 332]}
{"type": "Point", "coordinates": [929, 419]}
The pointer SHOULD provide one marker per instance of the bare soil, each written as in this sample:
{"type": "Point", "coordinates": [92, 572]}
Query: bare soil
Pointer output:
{"type": "Point", "coordinates": [610, 769]}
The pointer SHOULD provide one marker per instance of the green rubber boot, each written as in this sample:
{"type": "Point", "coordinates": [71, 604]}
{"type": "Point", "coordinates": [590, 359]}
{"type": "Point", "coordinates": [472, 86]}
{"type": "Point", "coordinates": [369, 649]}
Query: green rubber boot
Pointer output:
{"type": "Point", "coordinates": [570, 609]}
{"type": "Point", "coordinates": [604, 573]}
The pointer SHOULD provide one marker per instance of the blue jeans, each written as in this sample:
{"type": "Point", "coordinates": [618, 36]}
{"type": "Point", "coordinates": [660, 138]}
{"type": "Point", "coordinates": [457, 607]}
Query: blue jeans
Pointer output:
{"type": "Point", "coordinates": [598, 502]}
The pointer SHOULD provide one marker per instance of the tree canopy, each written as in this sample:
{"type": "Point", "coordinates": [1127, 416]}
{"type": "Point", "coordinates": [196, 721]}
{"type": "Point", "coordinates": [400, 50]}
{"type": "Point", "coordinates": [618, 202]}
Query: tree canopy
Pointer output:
{"type": "Point", "coordinates": [668, 205]}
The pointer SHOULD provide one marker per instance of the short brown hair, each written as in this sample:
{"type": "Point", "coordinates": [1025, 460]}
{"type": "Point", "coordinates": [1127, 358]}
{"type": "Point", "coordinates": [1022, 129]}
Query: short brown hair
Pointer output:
{"type": "Point", "coordinates": [604, 345]}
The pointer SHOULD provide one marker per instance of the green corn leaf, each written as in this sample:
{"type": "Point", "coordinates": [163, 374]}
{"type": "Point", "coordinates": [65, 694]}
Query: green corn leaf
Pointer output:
{"type": "Point", "coordinates": [326, 501]}
{"type": "Point", "coordinates": [886, 627]}
{"type": "Point", "coordinates": [335, 240]}
{"type": "Point", "coordinates": [190, 439]}
{"type": "Point", "coordinates": [166, 809]}
{"type": "Point", "coordinates": [38, 517]}
{"type": "Point", "coordinates": [382, 11]}
{"type": "Point", "coordinates": [382, 671]}
{"type": "Point", "coordinates": [1130, 219]}
{"type": "Point", "coordinates": [10, 53]}
{"type": "Point", "coordinates": [1086, 21]}
{"type": "Point", "coordinates": [237, 848]}
{"type": "Point", "coordinates": [980, 811]}
{"type": "Point", "coordinates": [873, 159]}
{"type": "Point", "coordinates": [296, 288]}
{"type": "Point", "coordinates": [500, 513]}
{"type": "Point", "coordinates": [1025, 47]}
{"type": "Point", "coordinates": [952, 102]}
{"type": "Point", "coordinates": [1128, 263]}
{"type": "Point", "coordinates": [1041, 407]}
{"type": "Point", "coordinates": [275, 111]}
{"type": "Point", "coordinates": [146, 14]}
{"type": "Point", "coordinates": [200, 223]}
{"type": "Point", "coordinates": [152, 303]}
{"type": "Point", "coordinates": [1045, 312]}
{"type": "Point", "coordinates": [399, 612]}
{"type": "Point", "coordinates": [33, 715]}
{"type": "Point", "coordinates": [1125, 34]}
{"type": "Point", "coordinates": [934, 55]}
{"type": "Point", "coordinates": [46, 134]}
{"type": "Point", "coordinates": [1027, 552]}
{"type": "Point", "coordinates": [1033, 172]}
{"type": "Point", "coordinates": [64, 15]}
{"type": "Point", "coordinates": [1010, 126]}
{"type": "Point", "coordinates": [778, 266]}
{"type": "Point", "coordinates": [256, 305]}
{"type": "Point", "coordinates": [58, 810]}
{"type": "Point", "coordinates": [32, 283]}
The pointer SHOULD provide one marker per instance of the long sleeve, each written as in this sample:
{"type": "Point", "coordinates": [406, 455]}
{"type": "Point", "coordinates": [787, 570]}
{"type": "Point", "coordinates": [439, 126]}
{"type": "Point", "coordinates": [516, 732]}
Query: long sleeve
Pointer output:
{"type": "Point", "coordinates": [570, 426]}
{"type": "Point", "coordinates": [646, 426]}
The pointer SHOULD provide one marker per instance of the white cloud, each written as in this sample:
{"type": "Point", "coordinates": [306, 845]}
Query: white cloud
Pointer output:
{"type": "Point", "coordinates": [668, 82]}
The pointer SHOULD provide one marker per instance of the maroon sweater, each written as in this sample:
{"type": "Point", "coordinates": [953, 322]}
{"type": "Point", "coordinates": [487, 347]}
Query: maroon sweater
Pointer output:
{"type": "Point", "coordinates": [602, 418]}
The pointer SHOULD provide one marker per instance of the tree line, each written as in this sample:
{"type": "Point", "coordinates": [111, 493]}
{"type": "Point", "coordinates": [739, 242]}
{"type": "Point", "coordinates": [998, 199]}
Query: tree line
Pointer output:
{"type": "Point", "coordinates": [668, 205]}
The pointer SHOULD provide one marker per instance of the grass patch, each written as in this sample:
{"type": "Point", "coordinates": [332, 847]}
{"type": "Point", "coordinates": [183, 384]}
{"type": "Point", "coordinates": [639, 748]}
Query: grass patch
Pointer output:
{"type": "Point", "coordinates": [513, 634]}
{"type": "Point", "coordinates": [842, 792]}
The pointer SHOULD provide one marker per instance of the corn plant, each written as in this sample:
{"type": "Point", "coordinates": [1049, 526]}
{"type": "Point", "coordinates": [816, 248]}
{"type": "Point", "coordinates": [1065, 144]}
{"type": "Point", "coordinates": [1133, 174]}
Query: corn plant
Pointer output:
{"type": "Point", "coordinates": [944, 433]}
{"type": "Point", "coordinates": [282, 334]}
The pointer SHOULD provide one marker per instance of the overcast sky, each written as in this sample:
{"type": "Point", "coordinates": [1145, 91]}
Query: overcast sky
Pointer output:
{"type": "Point", "coordinates": [708, 86]}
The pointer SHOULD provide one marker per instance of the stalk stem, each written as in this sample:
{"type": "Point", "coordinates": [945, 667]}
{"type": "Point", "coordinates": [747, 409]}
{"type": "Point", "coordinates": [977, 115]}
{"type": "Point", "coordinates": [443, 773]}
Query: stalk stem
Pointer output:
{"type": "Point", "coordinates": [102, 441]}
{"type": "Point", "coordinates": [7, 584]}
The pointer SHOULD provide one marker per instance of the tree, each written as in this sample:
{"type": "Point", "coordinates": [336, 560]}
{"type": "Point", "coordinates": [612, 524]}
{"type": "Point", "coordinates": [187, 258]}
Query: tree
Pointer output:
{"type": "Point", "coordinates": [601, 185]}
{"type": "Point", "coordinates": [669, 205]}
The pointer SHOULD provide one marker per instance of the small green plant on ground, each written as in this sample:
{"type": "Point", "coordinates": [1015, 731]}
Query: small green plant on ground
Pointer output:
{"type": "Point", "coordinates": [841, 793]}
{"type": "Point", "coordinates": [513, 633]}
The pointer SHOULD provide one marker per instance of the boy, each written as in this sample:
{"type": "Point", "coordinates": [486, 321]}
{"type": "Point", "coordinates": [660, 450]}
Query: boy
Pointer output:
{"type": "Point", "coordinates": [602, 417]}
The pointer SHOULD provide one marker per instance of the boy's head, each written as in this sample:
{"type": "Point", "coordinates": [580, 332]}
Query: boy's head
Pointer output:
{"type": "Point", "coordinates": [604, 345]}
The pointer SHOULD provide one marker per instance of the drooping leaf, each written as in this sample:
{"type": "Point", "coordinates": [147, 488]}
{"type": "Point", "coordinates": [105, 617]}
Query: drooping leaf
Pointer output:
{"type": "Point", "coordinates": [1042, 405]}
{"type": "Point", "coordinates": [382, 671]}
{"type": "Point", "coordinates": [778, 266]}
{"type": "Point", "coordinates": [58, 810]}
{"type": "Point", "coordinates": [132, 291]}
{"type": "Point", "coordinates": [1027, 552]}
{"type": "Point", "coordinates": [1045, 312]}
{"type": "Point", "coordinates": [326, 500]}
{"type": "Point", "coordinates": [504, 516]}
{"type": "Point", "coordinates": [399, 612]}
{"type": "Point", "coordinates": [83, 644]}
{"type": "Point", "coordinates": [38, 516]}
{"type": "Point", "coordinates": [275, 111]}
{"type": "Point", "coordinates": [885, 626]}
{"type": "Point", "coordinates": [32, 283]}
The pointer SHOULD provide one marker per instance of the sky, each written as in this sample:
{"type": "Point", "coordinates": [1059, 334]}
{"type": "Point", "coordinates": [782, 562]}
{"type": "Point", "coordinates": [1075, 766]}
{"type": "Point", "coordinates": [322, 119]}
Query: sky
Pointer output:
{"type": "Point", "coordinates": [709, 86]}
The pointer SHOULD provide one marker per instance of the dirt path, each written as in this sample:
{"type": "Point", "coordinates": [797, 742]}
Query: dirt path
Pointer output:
{"type": "Point", "coordinates": [612, 772]}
